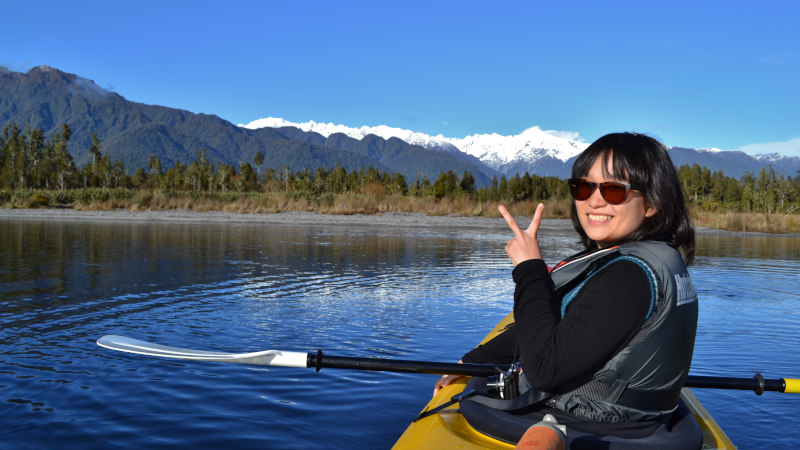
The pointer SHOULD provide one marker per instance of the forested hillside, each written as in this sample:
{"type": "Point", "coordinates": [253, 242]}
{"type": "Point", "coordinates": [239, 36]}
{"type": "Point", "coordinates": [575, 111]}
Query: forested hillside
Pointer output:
{"type": "Point", "coordinates": [32, 162]}
{"type": "Point", "coordinates": [46, 98]}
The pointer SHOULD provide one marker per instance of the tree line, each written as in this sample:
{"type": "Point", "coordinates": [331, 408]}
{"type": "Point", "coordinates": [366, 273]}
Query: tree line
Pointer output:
{"type": "Point", "coordinates": [31, 161]}
{"type": "Point", "coordinates": [767, 192]}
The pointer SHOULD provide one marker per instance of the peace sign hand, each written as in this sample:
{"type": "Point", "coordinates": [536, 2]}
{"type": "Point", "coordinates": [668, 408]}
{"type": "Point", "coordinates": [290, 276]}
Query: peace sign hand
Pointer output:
{"type": "Point", "coordinates": [524, 245]}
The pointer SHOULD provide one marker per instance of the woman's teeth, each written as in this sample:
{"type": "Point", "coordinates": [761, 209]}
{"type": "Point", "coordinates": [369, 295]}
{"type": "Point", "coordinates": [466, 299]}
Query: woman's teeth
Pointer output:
{"type": "Point", "coordinates": [599, 217]}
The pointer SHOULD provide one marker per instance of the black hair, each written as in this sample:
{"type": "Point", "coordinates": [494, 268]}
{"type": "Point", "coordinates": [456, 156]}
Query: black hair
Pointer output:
{"type": "Point", "coordinates": [643, 162]}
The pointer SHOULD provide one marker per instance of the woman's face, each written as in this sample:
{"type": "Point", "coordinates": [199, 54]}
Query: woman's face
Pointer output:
{"type": "Point", "coordinates": [607, 224]}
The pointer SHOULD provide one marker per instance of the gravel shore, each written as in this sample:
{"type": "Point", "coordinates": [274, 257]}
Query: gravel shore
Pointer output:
{"type": "Point", "coordinates": [297, 218]}
{"type": "Point", "coordinates": [285, 218]}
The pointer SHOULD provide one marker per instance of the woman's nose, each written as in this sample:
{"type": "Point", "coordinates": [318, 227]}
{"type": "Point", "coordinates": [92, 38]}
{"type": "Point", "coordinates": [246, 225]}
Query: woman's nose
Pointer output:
{"type": "Point", "coordinates": [596, 199]}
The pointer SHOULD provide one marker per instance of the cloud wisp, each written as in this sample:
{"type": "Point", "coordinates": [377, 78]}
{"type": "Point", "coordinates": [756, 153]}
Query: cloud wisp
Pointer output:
{"type": "Point", "coordinates": [786, 148]}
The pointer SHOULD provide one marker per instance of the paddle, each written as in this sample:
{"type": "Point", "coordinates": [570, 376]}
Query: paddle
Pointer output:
{"type": "Point", "coordinates": [279, 358]}
{"type": "Point", "coordinates": [296, 359]}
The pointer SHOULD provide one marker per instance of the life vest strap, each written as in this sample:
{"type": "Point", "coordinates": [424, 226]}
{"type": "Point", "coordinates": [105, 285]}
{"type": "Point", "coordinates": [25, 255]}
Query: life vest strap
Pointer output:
{"type": "Point", "coordinates": [530, 397]}
{"type": "Point", "coordinates": [645, 400]}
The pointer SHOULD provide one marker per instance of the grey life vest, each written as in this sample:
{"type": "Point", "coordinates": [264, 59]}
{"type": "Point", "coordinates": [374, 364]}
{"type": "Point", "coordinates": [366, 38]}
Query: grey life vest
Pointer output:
{"type": "Point", "coordinates": [643, 380]}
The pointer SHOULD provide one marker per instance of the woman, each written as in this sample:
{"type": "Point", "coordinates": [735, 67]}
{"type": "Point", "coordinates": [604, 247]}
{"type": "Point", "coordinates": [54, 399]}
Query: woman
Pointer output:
{"type": "Point", "coordinates": [608, 334]}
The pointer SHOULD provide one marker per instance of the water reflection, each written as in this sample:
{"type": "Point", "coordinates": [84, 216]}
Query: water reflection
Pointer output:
{"type": "Point", "coordinates": [59, 259]}
{"type": "Point", "coordinates": [742, 246]}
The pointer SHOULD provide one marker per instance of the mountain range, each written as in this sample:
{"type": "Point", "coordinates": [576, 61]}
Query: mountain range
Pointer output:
{"type": "Point", "coordinates": [541, 152]}
{"type": "Point", "coordinates": [46, 98]}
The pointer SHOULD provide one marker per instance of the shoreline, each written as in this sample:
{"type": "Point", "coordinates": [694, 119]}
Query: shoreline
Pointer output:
{"type": "Point", "coordinates": [389, 219]}
{"type": "Point", "coordinates": [392, 219]}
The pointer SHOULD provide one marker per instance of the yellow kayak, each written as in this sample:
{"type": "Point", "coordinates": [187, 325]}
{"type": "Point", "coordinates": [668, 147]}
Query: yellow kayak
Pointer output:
{"type": "Point", "coordinates": [449, 429]}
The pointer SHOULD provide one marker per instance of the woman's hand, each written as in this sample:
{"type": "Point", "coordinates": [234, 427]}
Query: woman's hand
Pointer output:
{"type": "Point", "coordinates": [524, 245]}
{"type": "Point", "coordinates": [445, 380]}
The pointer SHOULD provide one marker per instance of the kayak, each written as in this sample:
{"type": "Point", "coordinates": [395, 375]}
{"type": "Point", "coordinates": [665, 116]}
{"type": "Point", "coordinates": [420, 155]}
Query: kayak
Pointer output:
{"type": "Point", "coordinates": [450, 429]}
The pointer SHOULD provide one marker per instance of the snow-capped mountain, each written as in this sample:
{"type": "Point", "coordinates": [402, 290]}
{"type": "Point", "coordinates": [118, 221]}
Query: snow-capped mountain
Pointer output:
{"type": "Point", "coordinates": [327, 129]}
{"type": "Point", "coordinates": [537, 151]}
{"type": "Point", "coordinates": [46, 98]}
{"type": "Point", "coordinates": [494, 150]}
{"type": "Point", "coordinates": [532, 144]}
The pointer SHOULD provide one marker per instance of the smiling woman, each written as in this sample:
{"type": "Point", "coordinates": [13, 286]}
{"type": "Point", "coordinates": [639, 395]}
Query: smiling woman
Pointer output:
{"type": "Point", "coordinates": [653, 207]}
{"type": "Point", "coordinates": [592, 331]}
{"type": "Point", "coordinates": [606, 222]}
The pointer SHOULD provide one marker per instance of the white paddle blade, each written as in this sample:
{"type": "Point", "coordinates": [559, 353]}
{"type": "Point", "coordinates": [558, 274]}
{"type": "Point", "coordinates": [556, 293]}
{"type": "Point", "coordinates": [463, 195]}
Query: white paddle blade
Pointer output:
{"type": "Point", "coordinates": [263, 358]}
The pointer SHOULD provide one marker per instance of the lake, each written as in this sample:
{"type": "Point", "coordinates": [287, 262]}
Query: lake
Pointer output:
{"type": "Point", "coordinates": [396, 288]}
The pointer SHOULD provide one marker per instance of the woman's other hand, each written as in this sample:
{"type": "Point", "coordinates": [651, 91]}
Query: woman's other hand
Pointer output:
{"type": "Point", "coordinates": [445, 380]}
{"type": "Point", "coordinates": [524, 245]}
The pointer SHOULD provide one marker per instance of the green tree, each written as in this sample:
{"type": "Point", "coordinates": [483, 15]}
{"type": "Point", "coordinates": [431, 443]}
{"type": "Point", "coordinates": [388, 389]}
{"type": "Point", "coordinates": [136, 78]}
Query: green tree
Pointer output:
{"type": "Point", "coordinates": [467, 183]}
{"type": "Point", "coordinates": [224, 175]}
{"type": "Point", "coordinates": [247, 180]}
{"type": "Point", "coordinates": [64, 166]}
{"type": "Point", "coordinates": [154, 164]}
{"type": "Point", "coordinates": [200, 172]}
{"type": "Point", "coordinates": [445, 185]}
{"type": "Point", "coordinates": [95, 174]}
{"type": "Point", "coordinates": [258, 160]}
{"type": "Point", "coordinates": [176, 178]}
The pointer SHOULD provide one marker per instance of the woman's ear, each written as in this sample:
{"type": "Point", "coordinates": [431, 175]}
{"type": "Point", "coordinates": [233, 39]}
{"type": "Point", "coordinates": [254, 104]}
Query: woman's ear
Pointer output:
{"type": "Point", "coordinates": [650, 212]}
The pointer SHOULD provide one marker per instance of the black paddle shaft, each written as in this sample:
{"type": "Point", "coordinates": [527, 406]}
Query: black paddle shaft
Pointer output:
{"type": "Point", "coordinates": [757, 384]}
{"type": "Point", "coordinates": [319, 361]}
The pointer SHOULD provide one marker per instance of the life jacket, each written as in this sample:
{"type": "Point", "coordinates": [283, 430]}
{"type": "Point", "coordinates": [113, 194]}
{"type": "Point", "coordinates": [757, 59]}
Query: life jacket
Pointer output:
{"type": "Point", "coordinates": [643, 380]}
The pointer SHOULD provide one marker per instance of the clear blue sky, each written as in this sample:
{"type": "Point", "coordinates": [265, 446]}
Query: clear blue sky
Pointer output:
{"type": "Point", "coordinates": [720, 74]}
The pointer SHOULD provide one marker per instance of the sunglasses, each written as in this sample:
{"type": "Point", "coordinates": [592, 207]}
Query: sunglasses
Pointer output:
{"type": "Point", "coordinates": [611, 191]}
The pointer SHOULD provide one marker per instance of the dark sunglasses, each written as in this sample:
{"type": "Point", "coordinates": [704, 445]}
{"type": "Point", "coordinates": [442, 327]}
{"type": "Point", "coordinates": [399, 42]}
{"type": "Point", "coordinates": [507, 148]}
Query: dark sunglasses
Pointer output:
{"type": "Point", "coordinates": [612, 191]}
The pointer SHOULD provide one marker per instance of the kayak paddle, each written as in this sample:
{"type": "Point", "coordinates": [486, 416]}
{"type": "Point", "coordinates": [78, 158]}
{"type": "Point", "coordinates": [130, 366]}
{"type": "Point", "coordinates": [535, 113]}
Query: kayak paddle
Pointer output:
{"type": "Point", "coordinates": [280, 358]}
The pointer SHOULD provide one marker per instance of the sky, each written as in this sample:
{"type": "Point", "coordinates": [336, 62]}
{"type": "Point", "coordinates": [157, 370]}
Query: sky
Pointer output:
{"type": "Point", "coordinates": [699, 74]}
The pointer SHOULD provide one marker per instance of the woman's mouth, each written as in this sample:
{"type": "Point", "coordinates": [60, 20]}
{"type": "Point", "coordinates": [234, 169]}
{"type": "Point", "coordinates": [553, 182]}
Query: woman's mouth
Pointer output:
{"type": "Point", "coordinates": [599, 217]}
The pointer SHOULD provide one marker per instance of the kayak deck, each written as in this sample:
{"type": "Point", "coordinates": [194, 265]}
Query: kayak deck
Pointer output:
{"type": "Point", "coordinates": [449, 429]}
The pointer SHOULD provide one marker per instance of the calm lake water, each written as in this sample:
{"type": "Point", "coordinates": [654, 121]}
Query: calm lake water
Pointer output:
{"type": "Point", "coordinates": [424, 293]}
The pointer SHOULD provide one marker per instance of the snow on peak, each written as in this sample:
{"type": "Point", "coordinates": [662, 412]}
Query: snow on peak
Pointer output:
{"type": "Point", "coordinates": [43, 68]}
{"type": "Point", "coordinates": [531, 144]}
{"type": "Point", "coordinates": [493, 149]}
{"type": "Point", "coordinates": [769, 157]}
{"type": "Point", "coordinates": [710, 150]}
{"type": "Point", "coordinates": [327, 129]}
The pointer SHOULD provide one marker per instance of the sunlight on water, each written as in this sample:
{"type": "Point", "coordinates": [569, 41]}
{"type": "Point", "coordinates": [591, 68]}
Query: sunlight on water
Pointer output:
{"type": "Point", "coordinates": [416, 293]}
{"type": "Point", "coordinates": [750, 292]}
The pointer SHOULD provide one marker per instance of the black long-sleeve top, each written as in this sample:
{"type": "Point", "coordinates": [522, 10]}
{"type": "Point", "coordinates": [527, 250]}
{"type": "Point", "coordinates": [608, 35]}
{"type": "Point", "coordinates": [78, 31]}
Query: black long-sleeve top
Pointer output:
{"type": "Point", "coordinates": [561, 354]}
